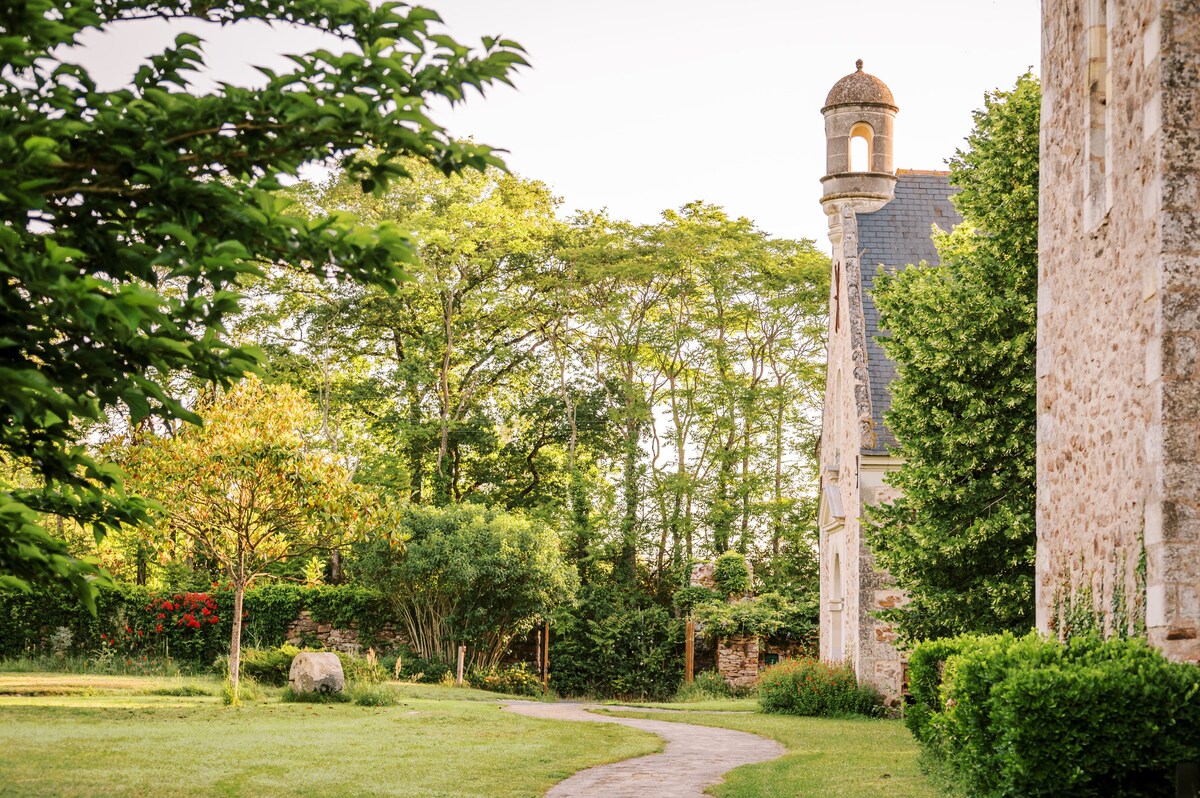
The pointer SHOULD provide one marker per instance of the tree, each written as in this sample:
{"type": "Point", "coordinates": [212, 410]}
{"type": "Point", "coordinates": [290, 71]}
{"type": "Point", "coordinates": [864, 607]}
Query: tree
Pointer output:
{"type": "Point", "coordinates": [468, 576]}
{"type": "Point", "coordinates": [961, 539]}
{"type": "Point", "coordinates": [247, 490]}
{"type": "Point", "coordinates": [128, 219]}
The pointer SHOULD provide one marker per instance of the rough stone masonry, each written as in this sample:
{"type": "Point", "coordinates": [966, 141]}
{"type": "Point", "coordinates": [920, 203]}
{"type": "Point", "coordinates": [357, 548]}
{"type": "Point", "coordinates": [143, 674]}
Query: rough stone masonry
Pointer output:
{"type": "Point", "coordinates": [1119, 321]}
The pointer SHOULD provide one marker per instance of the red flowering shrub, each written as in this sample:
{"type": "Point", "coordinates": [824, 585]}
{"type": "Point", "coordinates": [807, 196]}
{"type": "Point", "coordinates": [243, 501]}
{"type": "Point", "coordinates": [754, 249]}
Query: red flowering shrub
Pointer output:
{"type": "Point", "coordinates": [173, 626]}
{"type": "Point", "coordinates": [807, 686]}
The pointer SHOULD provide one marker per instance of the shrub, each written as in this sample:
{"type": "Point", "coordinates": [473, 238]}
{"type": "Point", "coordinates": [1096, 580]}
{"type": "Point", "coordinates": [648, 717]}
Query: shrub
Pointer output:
{"type": "Point", "coordinates": [617, 643]}
{"type": "Point", "coordinates": [760, 616]}
{"type": "Point", "coordinates": [374, 695]}
{"type": "Point", "coordinates": [706, 685]}
{"type": "Point", "coordinates": [248, 690]}
{"type": "Point", "coordinates": [290, 696]}
{"type": "Point", "coordinates": [514, 680]}
{"type": "Point", "coordinates": [413, 668]}
{"type": "Point", "coordinates": [361, 670]}
{"type": "Point", "coordinates": [732, 574]}
{"type": "Point", "coordinates": [926, 665]}
{"type": "Point", "coordinates": [813, 687]}
{"type": "Point", "coordinates": [1031, 717]}
{"type": "Point", "coordinates": [266, 666]}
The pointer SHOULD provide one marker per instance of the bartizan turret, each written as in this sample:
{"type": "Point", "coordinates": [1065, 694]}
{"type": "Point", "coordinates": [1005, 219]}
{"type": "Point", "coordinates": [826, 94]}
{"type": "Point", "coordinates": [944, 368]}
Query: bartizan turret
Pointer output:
{"type": "Point", "coordinates": [859, 106]}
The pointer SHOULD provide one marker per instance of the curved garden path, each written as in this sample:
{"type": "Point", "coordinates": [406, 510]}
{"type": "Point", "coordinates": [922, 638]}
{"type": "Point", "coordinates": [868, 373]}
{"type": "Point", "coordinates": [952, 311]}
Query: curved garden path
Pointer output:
{"type": "Point", "coordinates": [694, 757]}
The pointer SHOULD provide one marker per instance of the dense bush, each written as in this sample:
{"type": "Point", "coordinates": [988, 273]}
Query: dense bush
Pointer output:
{"type": "Point", "coordinates": [705, 686]}
{"type": "Point", "coordinates": [812, 687]}
{"type": "Point", "coordinates": [616, 644]}
{"type": "Point", "coordinates": [514, 680]}
{"type": "Point", "coordinates": [926, 664]}
{"type": "Point", "coordinates": [731, 574]}
{"type": "Point", "coordinates": [187, 626]}
{"type": "Point", "coordinates": [1031, 717]}
{"type": "Point", "coordinates": [409, 667]}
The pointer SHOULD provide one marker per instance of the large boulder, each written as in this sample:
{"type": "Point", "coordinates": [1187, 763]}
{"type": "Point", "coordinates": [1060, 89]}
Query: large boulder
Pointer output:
{"type": "Point", "coordinates": [316, 672]}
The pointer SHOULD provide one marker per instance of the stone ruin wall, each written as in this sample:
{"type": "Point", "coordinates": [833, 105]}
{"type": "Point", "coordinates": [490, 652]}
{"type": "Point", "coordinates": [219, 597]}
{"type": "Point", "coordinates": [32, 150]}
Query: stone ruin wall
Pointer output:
{"type": "Point", "coordinates": [1118, 335]}
{"type": "Point", "coordinates": [306, 631]}
{"type": "Point", "coordinates": [737, 660]}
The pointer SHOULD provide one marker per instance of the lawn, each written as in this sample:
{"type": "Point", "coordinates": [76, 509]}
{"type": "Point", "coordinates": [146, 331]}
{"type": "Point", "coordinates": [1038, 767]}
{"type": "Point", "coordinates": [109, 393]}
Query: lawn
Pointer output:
{"type": "Point", "coordinates": [77, 735]}
{"type": "Point", "coordinates": [827, 758]}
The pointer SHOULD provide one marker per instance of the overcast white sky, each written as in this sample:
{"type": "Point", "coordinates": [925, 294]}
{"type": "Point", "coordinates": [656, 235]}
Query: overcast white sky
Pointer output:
{"type": "Point", "coordinates": [643, 105]}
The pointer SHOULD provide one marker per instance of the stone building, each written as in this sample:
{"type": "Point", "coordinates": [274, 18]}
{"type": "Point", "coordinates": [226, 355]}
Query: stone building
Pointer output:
{"type": "Point", "coordinates": [878, 217]}
{"type": "Point", "coordinates": [1119, 321]}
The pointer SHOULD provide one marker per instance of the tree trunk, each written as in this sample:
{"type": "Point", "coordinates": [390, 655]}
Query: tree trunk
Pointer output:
{"type": "Point", "coordinates": [235, 640]}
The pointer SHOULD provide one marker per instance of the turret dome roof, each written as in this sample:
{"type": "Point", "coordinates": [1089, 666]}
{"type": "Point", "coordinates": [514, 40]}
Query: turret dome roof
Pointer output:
{"type": "Point", "coordinates": [860, 88]}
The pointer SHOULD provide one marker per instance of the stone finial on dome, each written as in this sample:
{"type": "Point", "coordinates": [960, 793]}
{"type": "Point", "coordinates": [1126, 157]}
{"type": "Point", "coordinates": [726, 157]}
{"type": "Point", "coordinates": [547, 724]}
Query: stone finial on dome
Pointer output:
{"type": "Point", "coordinates": [860, 88]}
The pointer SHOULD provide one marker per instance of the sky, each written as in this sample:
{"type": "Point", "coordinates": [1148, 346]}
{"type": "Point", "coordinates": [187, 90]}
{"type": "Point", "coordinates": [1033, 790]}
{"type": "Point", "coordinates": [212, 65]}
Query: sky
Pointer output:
{"type": "Point", "coordinates": [639, 106]}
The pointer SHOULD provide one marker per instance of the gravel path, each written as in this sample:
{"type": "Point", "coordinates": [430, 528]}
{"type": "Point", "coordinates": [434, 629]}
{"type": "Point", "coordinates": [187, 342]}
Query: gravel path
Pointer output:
{"type": "Point", "coordinates": [694, 758]}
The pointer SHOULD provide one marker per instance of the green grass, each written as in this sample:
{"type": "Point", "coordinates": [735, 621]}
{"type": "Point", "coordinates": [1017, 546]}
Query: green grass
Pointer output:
{"type": "Point", "coordinates": [826, 758]}
{"type": "Point", "coordinates": [77, 735]}
{"type": "Point", "coordinates": [699, 705]}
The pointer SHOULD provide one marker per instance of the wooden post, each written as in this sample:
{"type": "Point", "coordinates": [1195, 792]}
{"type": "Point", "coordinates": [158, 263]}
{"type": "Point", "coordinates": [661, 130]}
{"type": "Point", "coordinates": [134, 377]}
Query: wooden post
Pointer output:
{"type": "Point", "coordinates": [462, 655]}
{"type": "Point", "coordinates": [689, 652]}
{"type": "Point", "coordinates": [546, 659]}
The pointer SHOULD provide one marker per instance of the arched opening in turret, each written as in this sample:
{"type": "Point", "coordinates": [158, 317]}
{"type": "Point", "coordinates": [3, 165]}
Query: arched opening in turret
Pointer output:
{"type": "Point", "coordinates": [861, 136]}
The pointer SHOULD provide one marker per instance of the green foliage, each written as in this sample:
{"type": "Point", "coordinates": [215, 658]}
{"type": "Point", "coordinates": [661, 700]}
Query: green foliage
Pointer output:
{"type": "Point", "coordinates": [290, 696]}
{"type": "Point", "coordinates": [268, 666]}
{"type": "Point", "coordinates": [616, 644]}
{"type": "Point", "coordinates": [960, 540]}
{"type": "Point", "coordinates": [130, 218]}
{"type": "Point", "coordinates": [705, 685]}
{"type": "Point", "coordinates": [515, 680]}
{"type": "Point", "coordinates": [375, 695]}
{"type": "Point", "coordinates": [245, 690]}
{"type": "Point", "coordinates": [685, 599]}
{"type": "Point", "coordinates": [28, 620]}
{"type": "Point", "coordinates": [760, 616]}
{"type": "Point", "coordinates": [468, 576]}
{"type": "Point", "coordinates": [732, 574]}
{"type": "Point", "coordinates": [814, 688]}
{"type": "Point", "coordinates": [1032, 717]}
{"type": "Point", "coordinates": [414, 668]}
{"type": "Point", "coordinates": [926, 667]}
{"type": "Point", "coordinates": [182, 691]}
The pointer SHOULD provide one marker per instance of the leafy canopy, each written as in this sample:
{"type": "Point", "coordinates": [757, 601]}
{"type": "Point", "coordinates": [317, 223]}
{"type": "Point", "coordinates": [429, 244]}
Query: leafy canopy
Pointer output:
{"type": "Point", "coordinates": [961, 538]}
{"type": "Point", "coordinates": [129, 217]}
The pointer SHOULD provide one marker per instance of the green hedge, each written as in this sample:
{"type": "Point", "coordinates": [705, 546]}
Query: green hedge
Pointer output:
{"type": "Point", "coordinates": [127, 619]}
{"type": "Point", "coordinates": [1030, 717]}
{"type": "Point", "coordinates": [811, 687]}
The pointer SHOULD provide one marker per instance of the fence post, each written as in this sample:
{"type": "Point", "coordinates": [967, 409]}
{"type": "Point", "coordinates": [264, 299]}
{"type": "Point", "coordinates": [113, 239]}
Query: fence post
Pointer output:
{"type": "Point", "coordinates": [546, 660]}
{"type": "Point", "coordinates": [462, 655]}
{"type": "Point", "coordinates": [689, 652]}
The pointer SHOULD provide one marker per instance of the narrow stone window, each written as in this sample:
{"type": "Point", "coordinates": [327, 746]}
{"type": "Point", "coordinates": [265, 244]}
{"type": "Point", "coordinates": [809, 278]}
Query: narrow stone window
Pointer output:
{"type": "Point", "coordinates": [1097, 130]}
{"type": "Point", "coordinates": [860, 147]}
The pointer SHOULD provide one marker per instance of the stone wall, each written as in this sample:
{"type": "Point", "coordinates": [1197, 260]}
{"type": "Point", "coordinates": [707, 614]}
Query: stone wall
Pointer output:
{"type": "Point", "coordinates": [849, 629]}
{"type": "Point", "coordinates": [306, 631]}
{"type": "Point", "coordinates": [737, 660]}
{"type": "Point", "coordinates": [1119, 324]}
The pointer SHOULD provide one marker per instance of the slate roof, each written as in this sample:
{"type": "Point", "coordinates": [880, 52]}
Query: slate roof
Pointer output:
{"type": "Point", "coordinates": [896, 235]}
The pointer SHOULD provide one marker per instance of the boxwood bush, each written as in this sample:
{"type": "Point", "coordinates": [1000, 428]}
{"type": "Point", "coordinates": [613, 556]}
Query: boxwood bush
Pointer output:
{"type": "Point", "coordinates": [806, 686]}
{"type": "Point", "coordinates": [1031, 717]}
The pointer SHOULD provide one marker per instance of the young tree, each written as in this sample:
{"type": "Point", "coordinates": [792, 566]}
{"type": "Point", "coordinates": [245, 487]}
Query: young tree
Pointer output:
{"type": "Point", "coordinates": [468, 576]}
{"type": "Point", "coordinates": [128, 217]}
{"type": "Point", "coordinates": [961, 538]}
{"type": "Point", "coordinates": [247, 490]}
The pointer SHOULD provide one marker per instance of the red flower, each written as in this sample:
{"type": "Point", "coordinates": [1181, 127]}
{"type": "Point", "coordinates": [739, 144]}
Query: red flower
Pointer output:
{"type": "Point", "coordinates": [128, 630]}
{"type": "Point", "coordinates": [212, 619]}
{"type": "Point", "coordinates": [158, 629]}
{"type": "Point", "coordinates": [168, 606]}
{"type": "Point", "coordinates": [161, 616]}
{"type": "Point", "coordinates": [214, 585]}
{"type": "Point", "coordinates": [103, 637]}
{"type": "Point", "coordinates": [141, 633]}
{"type": "Point", "coordinates": [206, 611]}
{"type": "Point", "coordinates": [128, 662]}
